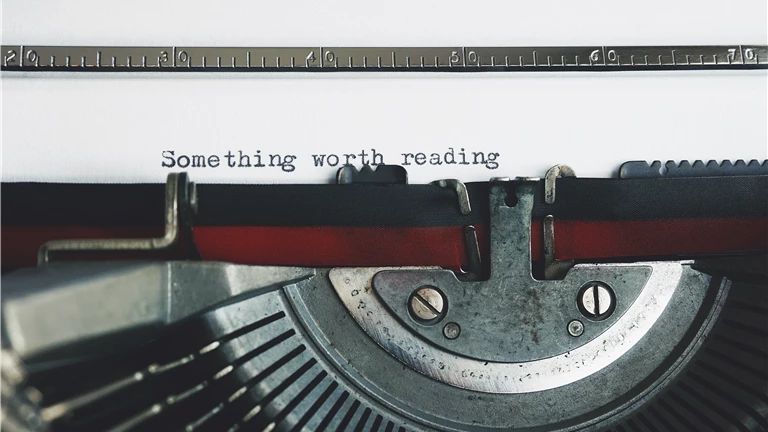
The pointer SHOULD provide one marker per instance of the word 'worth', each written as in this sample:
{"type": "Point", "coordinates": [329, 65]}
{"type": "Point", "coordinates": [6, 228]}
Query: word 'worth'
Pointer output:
{"type": "Point", "coordinates": [287, 162]}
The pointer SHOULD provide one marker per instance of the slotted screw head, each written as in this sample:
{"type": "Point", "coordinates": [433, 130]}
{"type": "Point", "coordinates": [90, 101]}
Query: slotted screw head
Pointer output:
{"type": "Point", "coordinates": [596, 300]}
{"type": "Point", "coordinates": [427, 304]}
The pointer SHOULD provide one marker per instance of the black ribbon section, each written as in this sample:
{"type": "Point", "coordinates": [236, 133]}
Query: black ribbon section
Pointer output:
{"type": "Point", "coordinates": [50, 204]}
{"type": "Point", "coordinates": [339, 205]}
{"type": "Point", "coordinates": [656, 198]}
{"type": "Point", "coordinates": [58, 204]}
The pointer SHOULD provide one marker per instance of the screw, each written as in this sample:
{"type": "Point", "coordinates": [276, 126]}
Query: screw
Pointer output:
{"type": "Point", "coordinates": [427, 304]}
{"type": "Point", "coordinates": [575, 328]}
{"type": "Point", "coordinates": [596, 301]}
{"type": "Point", "coordinates": [451, 330]}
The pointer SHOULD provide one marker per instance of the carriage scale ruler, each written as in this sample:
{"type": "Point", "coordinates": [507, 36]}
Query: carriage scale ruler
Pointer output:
{"type": "Point", "coordinates": [316, 59]}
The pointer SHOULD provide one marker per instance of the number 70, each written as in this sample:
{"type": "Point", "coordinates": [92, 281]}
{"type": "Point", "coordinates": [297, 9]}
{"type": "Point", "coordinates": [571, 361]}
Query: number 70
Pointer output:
{"type": "Point", "coordinates": [749, 54]}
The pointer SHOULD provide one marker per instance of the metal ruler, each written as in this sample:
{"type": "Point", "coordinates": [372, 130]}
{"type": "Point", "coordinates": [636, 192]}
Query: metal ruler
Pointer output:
{"type": "Point", "coordinates": [176, 58]}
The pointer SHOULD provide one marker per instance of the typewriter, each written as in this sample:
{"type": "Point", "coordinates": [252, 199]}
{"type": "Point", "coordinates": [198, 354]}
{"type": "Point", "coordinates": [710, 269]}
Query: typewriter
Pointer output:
{"type": "Point", "coordinates": [561, 303]}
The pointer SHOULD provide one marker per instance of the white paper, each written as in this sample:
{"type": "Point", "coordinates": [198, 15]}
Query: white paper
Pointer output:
{"type": "Point", "coordinates": [115, 127]}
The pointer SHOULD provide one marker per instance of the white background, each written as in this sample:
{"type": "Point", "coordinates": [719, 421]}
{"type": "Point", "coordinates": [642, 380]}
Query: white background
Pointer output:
{"type": "Point", "coordinates": [101, 127]}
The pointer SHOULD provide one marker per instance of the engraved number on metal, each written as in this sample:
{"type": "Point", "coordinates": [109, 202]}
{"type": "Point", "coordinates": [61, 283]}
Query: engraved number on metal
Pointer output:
{"type": "Point", "coordinates": [612, 56]}
{"type": "Point", "coordinates": [163, 56]}
{"type": "Point", "coordinates": [472, 56]}
{"type": "Point", "coordinates": [731, 54]}
{"type": "Point", "coordinates": [455, 57]}
{"type": "Point", "coordinates": [183, 56]}
{"type": "Point", "coordinates": [329, 56]}
{"type": "Point", "coordinates": [749, 53]}
{"type": "Point", "coordinates": [10, 56]}
{"type": "Point", "coordinates": [31, 55]}
{"type": "Point", "coordinates": [595, 55]}
{"type": "Point", "coordinates": [311, 57]}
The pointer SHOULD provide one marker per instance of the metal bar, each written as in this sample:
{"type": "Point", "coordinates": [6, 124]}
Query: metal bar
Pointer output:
{"type": "Point", "coordinates": [459, 58]}
{"type": "Point", "coordinates": [172, 230]}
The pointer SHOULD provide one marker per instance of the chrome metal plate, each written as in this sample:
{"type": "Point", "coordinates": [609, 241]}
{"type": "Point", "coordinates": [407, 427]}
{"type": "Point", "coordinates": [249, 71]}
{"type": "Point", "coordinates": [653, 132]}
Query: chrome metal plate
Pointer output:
{"type": "Point", "coordinates": [522, 377]}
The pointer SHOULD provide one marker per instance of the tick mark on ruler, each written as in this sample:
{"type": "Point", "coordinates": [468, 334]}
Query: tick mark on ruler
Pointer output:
{"type": "Point", "coordinates": [98, 58]}
{"type": "Point", "coordinates": [277, 61]}
{"type": "Point", "coordinates": [520, 58]}
{"type": "Point", "coordinates": [248, 59]}
{"type": "Point", "coordinates": [293, 62]}
{"type": "Point", "coordinates": [506, 61]}
{"type": "Point", "coordinates": [378, 61]}
{"type": "Point", "coordinates": [365, 61]}
{"type": "Point", "coordinates": [218, 61]}
{"type": "Point", "coordinates": [234, 62]}
{"type": "Point", "coordinates": [203, 61]}
{"type": "Point", "coordinates": [549, 61]}
{"type": "Point", "coordinates": [68, 61]}
{"type": "Point", "coordinates": [493, 61]}
{"type": "Point", "coordinates": [263, 61]}
{"type": "Point", "coordinates": [422, 61]}
{"type": "Point", "coordinates": [144, 61]}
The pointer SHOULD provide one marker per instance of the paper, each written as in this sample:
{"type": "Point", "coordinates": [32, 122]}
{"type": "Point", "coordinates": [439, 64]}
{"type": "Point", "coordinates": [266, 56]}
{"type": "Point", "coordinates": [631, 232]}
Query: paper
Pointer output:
{"type": "Point", "coordinates": [302, 127]}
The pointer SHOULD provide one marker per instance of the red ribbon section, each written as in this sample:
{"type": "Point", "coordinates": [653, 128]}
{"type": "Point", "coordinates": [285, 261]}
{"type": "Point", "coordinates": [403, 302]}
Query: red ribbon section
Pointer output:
{"type": "Point", "coordinates": [417, 246]}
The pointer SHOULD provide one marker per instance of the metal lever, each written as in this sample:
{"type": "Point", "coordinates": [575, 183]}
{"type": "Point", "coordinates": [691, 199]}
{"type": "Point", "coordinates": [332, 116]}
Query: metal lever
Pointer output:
{"type": "Point", "coordinates": [178, 193]}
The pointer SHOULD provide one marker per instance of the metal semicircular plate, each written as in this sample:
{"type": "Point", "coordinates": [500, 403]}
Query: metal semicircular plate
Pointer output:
{"type": "Point", "coordinates": [353, 286]}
